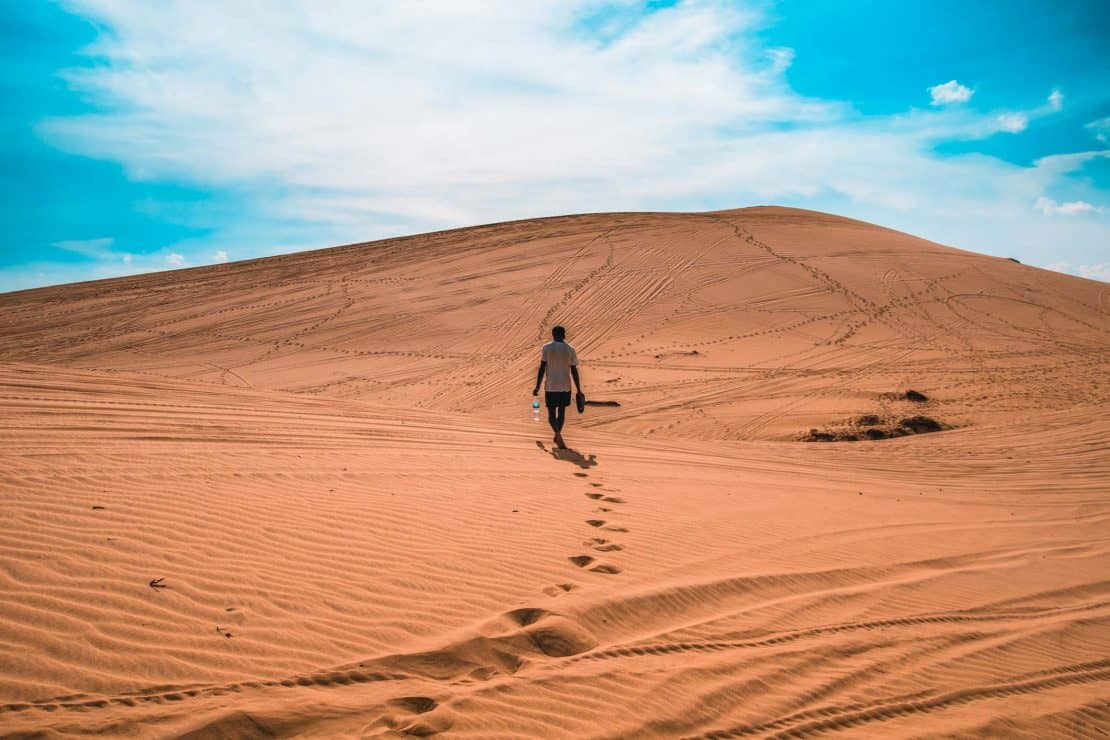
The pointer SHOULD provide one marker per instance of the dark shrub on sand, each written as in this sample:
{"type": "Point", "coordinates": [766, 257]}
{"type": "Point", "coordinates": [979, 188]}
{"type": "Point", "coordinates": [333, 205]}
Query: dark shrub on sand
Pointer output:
{"type": "Point", "coordinates": [921, 424]}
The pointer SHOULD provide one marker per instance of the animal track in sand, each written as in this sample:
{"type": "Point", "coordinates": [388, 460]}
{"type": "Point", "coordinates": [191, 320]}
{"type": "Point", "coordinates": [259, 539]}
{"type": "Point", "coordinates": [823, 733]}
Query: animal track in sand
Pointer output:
{"type": "Point", "coordinates": [602, 545]}
{"type": "Point", "coordinates": [594, 496]}
{"type": "Point", "coordinates": [559, 589]}
{"type": "Point", "coordinates": [614, 500]}
{"type": "Point", "coordinates": [595, 522]}
{"type": "Point", "coordinates": [581, 560]}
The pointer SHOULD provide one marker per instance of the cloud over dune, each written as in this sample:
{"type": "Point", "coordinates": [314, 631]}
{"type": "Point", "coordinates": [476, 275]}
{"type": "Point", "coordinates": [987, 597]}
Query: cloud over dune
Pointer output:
{"type": "Point", "coordinates": [369, 122]}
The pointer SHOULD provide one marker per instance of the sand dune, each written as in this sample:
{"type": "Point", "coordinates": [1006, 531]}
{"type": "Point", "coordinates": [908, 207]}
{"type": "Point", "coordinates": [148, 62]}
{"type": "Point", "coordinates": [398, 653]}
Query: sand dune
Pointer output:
{"type": "Point", "coordinates": [305, 496]}
{"type": "Point", "coordinates": [753, 324]}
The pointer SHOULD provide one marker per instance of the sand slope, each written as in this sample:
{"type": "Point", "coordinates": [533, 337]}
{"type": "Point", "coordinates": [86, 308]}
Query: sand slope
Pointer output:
{"type": "Point", "coordinates": [329, 461]}
{"type": "Point", "coordinates": [749, 324]}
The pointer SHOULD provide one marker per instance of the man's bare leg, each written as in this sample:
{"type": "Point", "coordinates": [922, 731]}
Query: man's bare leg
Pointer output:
{"type": "Point", "coordinates": [560, 419]}
{"type": "Point", "coordinates": [553, 420]}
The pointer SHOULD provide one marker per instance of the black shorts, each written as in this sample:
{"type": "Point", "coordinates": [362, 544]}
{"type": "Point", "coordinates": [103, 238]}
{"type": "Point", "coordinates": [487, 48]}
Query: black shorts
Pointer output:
{"type": "Point", "coordinates": [557, 399]}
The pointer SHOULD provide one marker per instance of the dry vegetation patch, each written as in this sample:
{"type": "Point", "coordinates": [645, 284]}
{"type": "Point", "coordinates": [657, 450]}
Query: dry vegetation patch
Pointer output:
{"type": "Point", "coordinates": [898, 420]}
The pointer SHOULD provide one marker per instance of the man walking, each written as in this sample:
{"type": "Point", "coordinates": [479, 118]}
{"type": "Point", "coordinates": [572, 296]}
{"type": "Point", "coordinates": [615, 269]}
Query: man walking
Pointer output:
{"type": "Point", "coordinates": [558, 360]}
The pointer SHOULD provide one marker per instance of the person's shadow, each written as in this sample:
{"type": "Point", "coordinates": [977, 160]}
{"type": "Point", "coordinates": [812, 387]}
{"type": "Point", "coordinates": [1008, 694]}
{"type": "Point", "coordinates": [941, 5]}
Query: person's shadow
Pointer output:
{"type": "Point", "coordinates": [570, 455]}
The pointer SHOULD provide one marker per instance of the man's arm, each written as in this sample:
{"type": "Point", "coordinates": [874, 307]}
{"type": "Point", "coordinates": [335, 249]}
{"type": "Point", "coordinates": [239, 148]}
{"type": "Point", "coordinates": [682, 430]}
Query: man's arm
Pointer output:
{"type": "Point", "coordinates": [539, 377]}
{"type": "Point", "coordinates": [574, 374]}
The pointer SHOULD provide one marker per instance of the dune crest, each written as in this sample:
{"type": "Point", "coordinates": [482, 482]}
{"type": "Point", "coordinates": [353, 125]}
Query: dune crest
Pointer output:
{"type": "Point", "coordinates": [304, 495]}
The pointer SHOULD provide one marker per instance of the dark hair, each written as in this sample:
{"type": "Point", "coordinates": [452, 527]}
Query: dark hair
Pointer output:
{"type": "Point", "coordinates": [558, 332]}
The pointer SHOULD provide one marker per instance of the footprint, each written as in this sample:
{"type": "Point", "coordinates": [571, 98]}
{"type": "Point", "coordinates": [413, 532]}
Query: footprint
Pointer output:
{"type": "Point", "coordinates": [613, 500]}
{"type": "Point", "coordinates": [559, 589]}
{"type": "Point", "coordinates": [582, 475]}
{"type": "Point", "coordinates": [595, 522]}
{"type": "Point", "coordinates": [615, 529]}
{"type": "Point", "coordinates": [581, 560]}
{"type": "Point", "coordinates": [602, 545]}
{"type": "Point", "coordinates": [418, 716]}
{"type": "Point", "coordinates": [606, 569]}
{"type": "Point", "coordinates": [527, 615]}
{"type": "Point", "coordinates": [597, 485]}
{"type": "Point", "coordinates": [415, 704]}
{"type": "Point", "coordinates": [594, 496]}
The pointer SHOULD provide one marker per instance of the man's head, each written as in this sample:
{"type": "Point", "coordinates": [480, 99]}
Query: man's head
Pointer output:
{"type": "Point", "coordinates": [558, 333]}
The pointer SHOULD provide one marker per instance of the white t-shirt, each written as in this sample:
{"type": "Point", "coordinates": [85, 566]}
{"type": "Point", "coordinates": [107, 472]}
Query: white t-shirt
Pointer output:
{"type": "Point", "coordinates": [560, 358]}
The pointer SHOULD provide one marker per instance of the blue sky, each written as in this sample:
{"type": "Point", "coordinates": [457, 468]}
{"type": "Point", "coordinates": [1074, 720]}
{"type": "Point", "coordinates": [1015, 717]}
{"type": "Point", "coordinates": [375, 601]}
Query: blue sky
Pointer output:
{"type": "Point", "coordinates": [141, 136]}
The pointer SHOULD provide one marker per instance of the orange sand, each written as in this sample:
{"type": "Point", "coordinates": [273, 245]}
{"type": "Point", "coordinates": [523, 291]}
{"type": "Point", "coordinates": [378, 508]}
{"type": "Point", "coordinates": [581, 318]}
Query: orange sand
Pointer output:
{"type": "Point", "coordinates": [330, 461]}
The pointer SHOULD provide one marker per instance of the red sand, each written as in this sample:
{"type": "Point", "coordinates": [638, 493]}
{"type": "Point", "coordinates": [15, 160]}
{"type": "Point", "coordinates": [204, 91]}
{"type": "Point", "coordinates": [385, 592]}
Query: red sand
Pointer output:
{"type": "Point", "coordinates": [329, 459]}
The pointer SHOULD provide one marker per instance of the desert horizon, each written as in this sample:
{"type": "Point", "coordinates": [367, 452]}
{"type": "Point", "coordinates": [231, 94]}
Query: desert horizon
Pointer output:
{"type": "Point", "coordinates": [832, 479]}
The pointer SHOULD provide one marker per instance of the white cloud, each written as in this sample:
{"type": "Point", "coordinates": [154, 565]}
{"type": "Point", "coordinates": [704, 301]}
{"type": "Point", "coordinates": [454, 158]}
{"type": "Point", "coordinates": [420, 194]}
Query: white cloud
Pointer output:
{"type": "Point", "coordinates": [1100, 128]}
{"type": "Point", "coordinates": [470, 112]}
{"type": "Point", "coordinates": [950, 92]}
{"type": "Point", "coordinates": [781, 59]}
{"type": "Point", "coordinates": [1049, 207]}
{"type": "Point", "coordinates": [220, 256]}
{"type": "Point", "coordinates": [484, 112]}
{"type": "Point", "coordinates": [1056, 100]}
{"type": "Point", "coordinates": [175, 260]}
{"type": "Point", "coordinates": [99, 249]}
{"type": "Point", "coordinates": [1061, 164]}
{"type": "Point", "coordinates": [1097, 271]}
{"type": "Point", "coordinates": [127, 258]}
{"type": "Point", "coordinates": [1013, 123]}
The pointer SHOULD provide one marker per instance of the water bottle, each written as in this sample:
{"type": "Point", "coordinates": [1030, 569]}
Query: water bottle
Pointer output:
{"type": "Point", "coordinates": [535, 409]}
